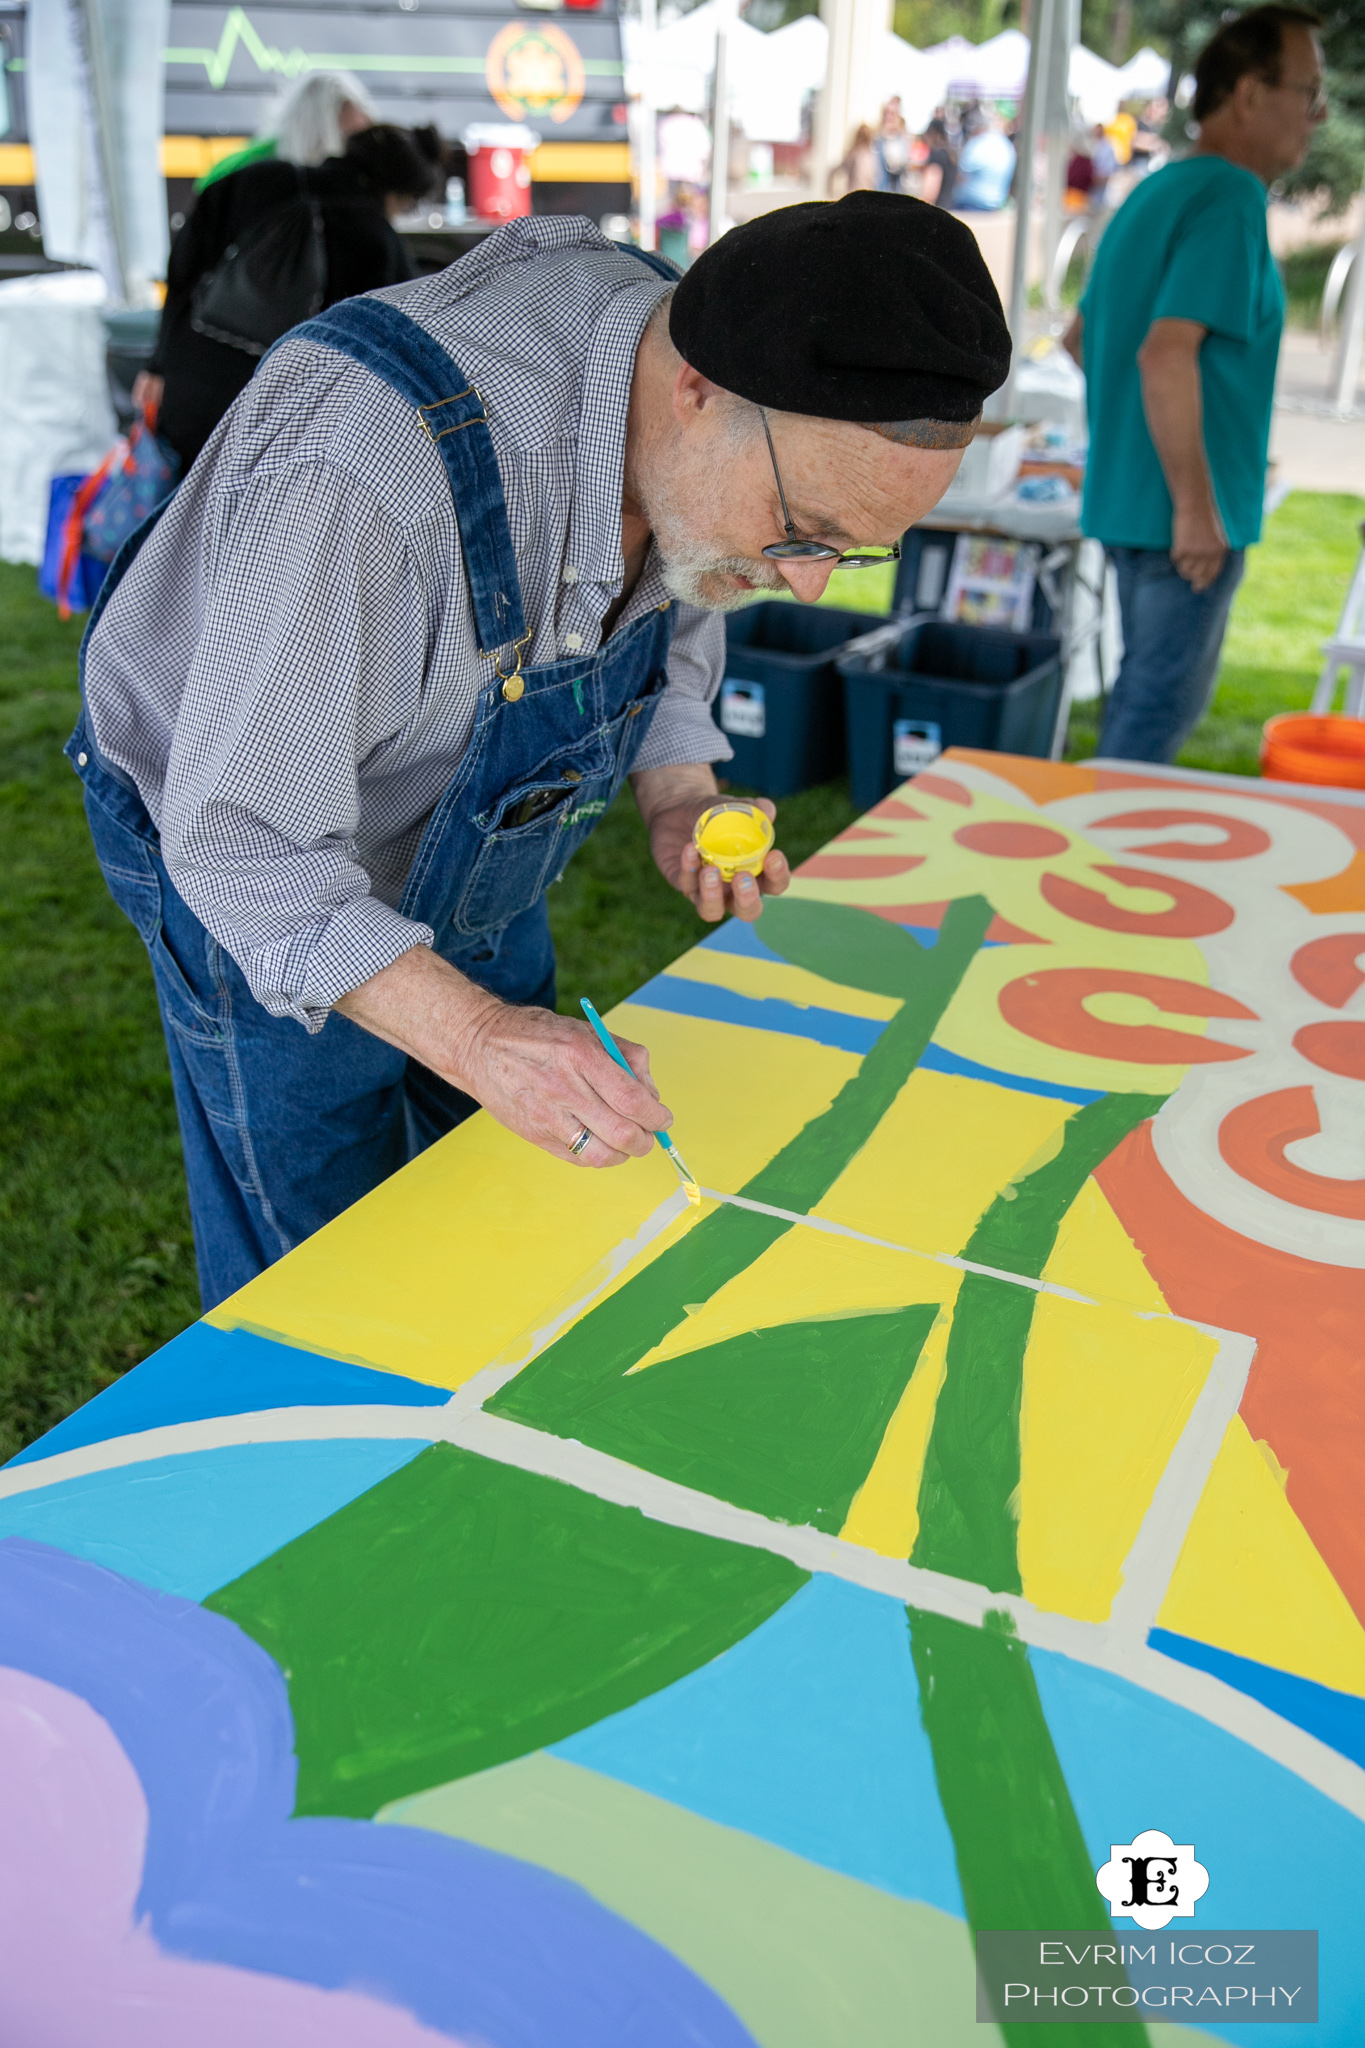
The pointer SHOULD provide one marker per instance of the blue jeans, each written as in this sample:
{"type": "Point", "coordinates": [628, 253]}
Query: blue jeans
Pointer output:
{"type": "Point", "coordinates": [282, 1128]}
{"type": "Point", "coordinates": [1172, 638]}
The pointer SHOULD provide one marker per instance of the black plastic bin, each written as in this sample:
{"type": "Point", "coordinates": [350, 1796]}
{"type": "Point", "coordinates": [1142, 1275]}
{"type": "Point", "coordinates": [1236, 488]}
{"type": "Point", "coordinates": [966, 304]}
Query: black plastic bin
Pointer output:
{"type": "Point", "coordinates": [781, 703]}
{"type": "Point", "coordinates": [946, 685]}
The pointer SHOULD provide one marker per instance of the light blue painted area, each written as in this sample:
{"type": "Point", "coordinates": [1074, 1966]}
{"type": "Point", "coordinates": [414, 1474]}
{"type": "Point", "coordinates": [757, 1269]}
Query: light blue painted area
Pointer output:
{"type": "Point", "coordinates": [806, 1734]}
{"type": "Point", "coordinates": [205, 1372]}
{"type": "Point", "coordinates": [1277, 1852]}
{"type": "Point", "coordinates": [190, 1524]}
{"type": "Point", "coordinates": [828, 1027]}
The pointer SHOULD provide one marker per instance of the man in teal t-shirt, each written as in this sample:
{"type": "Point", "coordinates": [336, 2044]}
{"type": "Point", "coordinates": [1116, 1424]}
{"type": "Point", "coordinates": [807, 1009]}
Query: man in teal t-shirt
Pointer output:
{"type": "Point", "coordinates": [1178, 333]}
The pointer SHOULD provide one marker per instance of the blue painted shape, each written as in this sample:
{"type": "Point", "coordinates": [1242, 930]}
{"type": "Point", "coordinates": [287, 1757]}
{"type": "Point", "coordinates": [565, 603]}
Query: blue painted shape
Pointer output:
{"type": "Point", "coordinates": [939, 1060]}
{"type": "Point", "coordinates": [1278, 1853]}
{"type": "Point", "coordinates": [192, 1523]}
{"type": "Point", "coordinates": [205, 1372]}
{"type": "Point", "coordinates": [806, 1734]}
{"type": "Point", "coordinates": [484, 1946]}
{"type": "Point", "coordinates": [759, 1013]}
{"type": "Point", "coordinates": [1336, 1718]}
{"type": "Point", "coordinates": [829, 1027]}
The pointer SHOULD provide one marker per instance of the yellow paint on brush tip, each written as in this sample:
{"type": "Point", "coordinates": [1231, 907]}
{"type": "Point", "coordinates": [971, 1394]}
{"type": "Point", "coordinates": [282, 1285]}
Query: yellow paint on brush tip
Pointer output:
{"type": "Point", "coordinates": [734, 838]}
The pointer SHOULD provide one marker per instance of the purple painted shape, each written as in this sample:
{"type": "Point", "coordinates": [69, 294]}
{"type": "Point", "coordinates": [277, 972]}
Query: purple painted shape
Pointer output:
{"type": "Point", "coordinates": [75, 1967]}
{"type": "Point", "coordinates": [470, 1941]}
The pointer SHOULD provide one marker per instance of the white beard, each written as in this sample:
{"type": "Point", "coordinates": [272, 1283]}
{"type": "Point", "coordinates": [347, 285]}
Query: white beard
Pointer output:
{"type": "Point", "coordinates": [691, 565]}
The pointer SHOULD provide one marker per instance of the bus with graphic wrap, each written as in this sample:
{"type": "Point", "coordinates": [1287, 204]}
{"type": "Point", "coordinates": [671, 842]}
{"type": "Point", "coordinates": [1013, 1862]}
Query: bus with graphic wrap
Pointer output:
{"type": "Point", "coordinates": [551, 65]}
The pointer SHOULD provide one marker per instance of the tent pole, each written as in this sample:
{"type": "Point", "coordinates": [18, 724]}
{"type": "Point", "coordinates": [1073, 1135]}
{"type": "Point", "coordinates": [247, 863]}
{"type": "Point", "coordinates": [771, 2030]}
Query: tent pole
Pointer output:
{"type": "Point", "coordinates": [647, 129]}
{"type": "Point", "coordinates": [1035, 102]}
{"type": "Point", "coordinates": [720, 125]}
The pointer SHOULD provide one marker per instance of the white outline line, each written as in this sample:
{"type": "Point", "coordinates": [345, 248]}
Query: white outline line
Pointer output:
{"type": "Point", "coordinates": [1117, 1646]}
{"type": "Point", "coordinates": [1147, 1569]}
{"type": "Point", "coordinates": [1106, 1646]}
{"type": "Point", "coordinates": [827, 1223]}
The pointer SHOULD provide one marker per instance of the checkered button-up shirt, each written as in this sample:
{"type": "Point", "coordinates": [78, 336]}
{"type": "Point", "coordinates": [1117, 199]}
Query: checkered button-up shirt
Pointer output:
{"type": "Point", "coordinates": [289, 670]}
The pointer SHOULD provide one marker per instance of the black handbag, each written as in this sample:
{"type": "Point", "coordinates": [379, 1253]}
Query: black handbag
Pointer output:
{"type": "Point", "coordinates": [272, 277]}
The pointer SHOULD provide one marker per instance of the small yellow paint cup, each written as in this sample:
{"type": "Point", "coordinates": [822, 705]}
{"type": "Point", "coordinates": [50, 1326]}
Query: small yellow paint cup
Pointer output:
{"type": "Point", "coordinates": [734, 838]}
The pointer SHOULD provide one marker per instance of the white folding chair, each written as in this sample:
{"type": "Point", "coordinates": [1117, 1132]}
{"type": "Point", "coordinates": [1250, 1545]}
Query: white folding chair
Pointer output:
{"type": "Point", "coordinates": [1346, 650]}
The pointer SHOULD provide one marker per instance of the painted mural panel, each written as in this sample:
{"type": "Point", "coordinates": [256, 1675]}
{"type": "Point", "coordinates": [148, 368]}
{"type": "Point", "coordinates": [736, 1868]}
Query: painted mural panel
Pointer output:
{"type": "Point", "coordinates": [537, 1612]}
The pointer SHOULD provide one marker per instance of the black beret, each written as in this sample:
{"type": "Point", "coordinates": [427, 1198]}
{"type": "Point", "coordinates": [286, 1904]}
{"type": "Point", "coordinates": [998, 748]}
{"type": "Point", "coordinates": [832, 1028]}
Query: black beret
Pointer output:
{"type": "Point", "coordinates": [877, 308]}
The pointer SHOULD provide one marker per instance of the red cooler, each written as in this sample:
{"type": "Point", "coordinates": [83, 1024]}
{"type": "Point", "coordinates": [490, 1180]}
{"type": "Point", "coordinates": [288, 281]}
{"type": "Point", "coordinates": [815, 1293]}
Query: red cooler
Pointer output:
{"type": "Point", "coordinates": [499, 175]}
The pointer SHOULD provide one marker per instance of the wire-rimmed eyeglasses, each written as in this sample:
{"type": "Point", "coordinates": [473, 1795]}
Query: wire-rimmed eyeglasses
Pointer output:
{"type": "Point", "coordinates": [794, 549]}
{"type": "Point", "coordinates": [1315, 96]}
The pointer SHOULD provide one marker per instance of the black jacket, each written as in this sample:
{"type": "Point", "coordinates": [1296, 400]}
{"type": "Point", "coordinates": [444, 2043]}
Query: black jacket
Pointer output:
{"type": "Point", "coordinates": [363, 253]}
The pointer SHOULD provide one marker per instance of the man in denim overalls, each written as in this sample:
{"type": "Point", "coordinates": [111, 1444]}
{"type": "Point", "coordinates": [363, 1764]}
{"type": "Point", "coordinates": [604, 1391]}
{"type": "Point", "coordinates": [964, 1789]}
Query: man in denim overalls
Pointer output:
{"type": "Point", "coordinates": [447, 573]}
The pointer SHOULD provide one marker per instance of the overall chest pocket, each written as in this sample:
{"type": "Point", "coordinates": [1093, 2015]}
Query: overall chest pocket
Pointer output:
{"type": "Point", "coordinates": [528, 835]}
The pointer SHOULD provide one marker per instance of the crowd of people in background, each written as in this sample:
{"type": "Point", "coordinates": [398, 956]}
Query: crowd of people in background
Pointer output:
{"type": "Point", "coordinates": [967, 158]}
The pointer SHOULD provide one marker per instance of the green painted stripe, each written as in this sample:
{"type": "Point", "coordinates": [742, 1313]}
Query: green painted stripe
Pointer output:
{"type": "Point", "coordinates": [559, 1388]}
{"type": "Point", "coordinates": [967, 1524]}
{"type": "Point", "coordinates": [785, 1421]}
{"type": "Point", "coordinates": [1021, 1855]}
{"type": "Point", "coordinates": [471, 1612]}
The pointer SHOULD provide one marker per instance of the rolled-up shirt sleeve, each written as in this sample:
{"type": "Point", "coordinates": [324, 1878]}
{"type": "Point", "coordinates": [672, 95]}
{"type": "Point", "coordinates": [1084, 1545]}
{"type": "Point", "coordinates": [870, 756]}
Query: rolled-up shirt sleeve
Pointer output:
{"type": "Point", "coordinates": [682, 730]}
{"type": "Point", "coordinates": [310, 659]}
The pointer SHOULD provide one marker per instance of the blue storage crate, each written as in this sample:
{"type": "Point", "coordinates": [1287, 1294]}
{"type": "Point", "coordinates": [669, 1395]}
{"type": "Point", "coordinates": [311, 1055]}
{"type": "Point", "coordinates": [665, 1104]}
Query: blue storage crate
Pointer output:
{"type": "Point", "coordinates": [781, 703]}
{"type": "Point", "coordinates": [945, 685]}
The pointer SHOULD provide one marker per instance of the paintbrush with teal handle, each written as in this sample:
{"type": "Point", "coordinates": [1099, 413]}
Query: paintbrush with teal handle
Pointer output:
{"type": "Point", "coordinates": [609, 1045]}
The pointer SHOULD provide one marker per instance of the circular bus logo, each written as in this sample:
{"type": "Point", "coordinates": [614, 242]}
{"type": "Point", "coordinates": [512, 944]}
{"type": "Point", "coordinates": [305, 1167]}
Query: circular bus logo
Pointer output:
{"type": "Point", "coordinates": [533, 68]}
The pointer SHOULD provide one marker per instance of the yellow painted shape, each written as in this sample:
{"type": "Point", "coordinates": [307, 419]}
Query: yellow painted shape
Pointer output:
{"type": "Point", "coordinates": [467, 1253]}
{"type": "Point", "coordinates": [1095, 1255]}
{"type": "Point", "coordinates": [885, 1513]}
{"type": "Point", "coordinates": [939, 1157]}
{"type": "Point", "coordinates": [949, 870]}
{"type": "Point", "coordinates": [775, 978]}
{"type": "Point", "coordinates": [1250, 1580]}
{"type": "Point", "coordinates": [16, 163]}
{"type": "Point", "coordinates": [807, 1276]}
{"type": "Point", "coordinates": [1106, 1396]}
{"type": "Point", "coordinates": [974, 1025]}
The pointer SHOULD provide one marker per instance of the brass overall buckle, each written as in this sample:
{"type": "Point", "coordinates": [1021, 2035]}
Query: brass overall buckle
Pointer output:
{"type": "Point", "coordinates": [513, 682]}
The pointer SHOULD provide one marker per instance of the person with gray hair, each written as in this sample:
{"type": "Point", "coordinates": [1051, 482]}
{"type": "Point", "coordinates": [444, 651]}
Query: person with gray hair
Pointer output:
{"type": "Point", "coordinates": [444, 578]}
{"type": "Point", "coordinates": [318, 116]}
{"type": "Point", "coordinates": [312, 121]}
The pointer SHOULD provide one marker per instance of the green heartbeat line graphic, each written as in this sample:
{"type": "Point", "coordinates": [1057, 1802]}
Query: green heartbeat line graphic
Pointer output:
{"type": "Point", "coordinates": [239, 30]}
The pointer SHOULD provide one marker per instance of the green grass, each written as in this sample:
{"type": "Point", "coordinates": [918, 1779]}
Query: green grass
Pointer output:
{"type": "Point", "coordinates": [96, 1262]}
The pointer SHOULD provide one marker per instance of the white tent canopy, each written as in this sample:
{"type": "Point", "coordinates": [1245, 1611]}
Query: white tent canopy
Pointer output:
{"type": "Point", "coordinates": [1145, 76]}
{"type": "Point", "coordinates": [772, 76]}
{"type": "Point", "coordinates": [1096, 87]}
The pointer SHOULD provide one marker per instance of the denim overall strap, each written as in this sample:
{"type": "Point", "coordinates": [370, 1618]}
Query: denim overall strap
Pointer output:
{"type": "Point", "coordinates": [379, 337]}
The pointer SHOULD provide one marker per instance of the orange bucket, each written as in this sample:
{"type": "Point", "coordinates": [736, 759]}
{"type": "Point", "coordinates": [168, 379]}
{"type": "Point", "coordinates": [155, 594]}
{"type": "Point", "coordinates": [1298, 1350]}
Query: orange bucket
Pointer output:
{"type": "Point", "coordinates": [1303, 746]}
